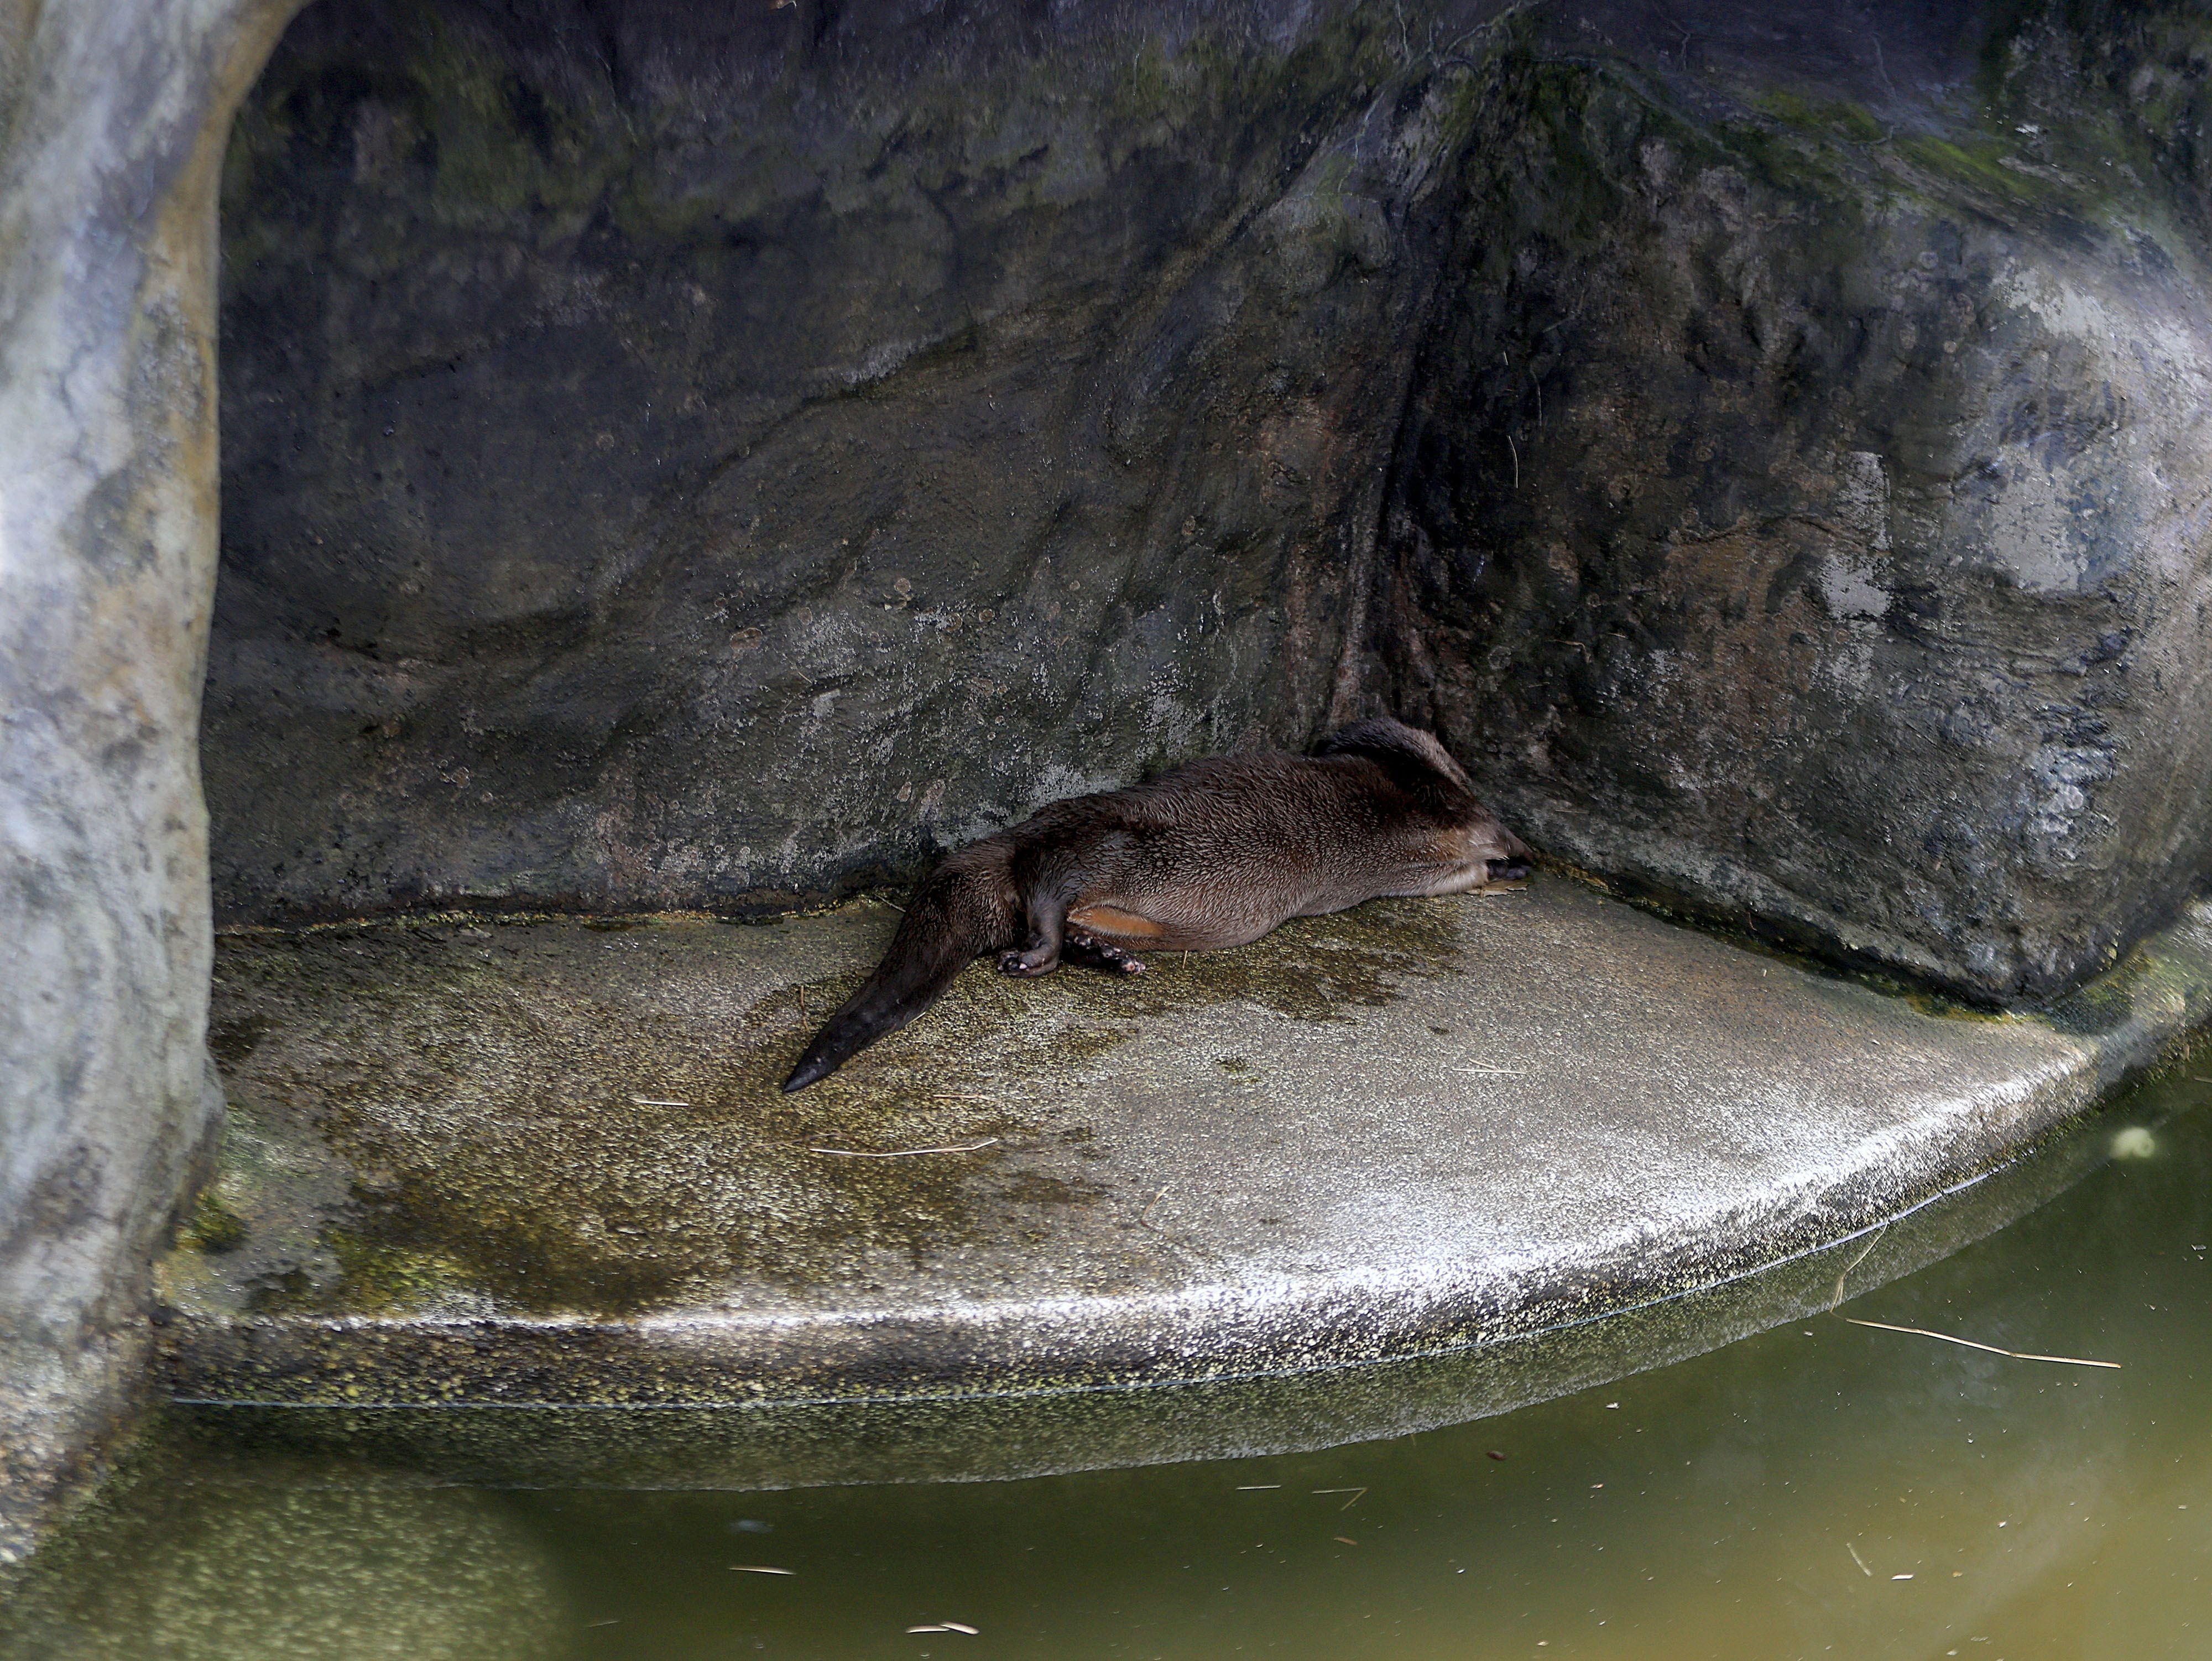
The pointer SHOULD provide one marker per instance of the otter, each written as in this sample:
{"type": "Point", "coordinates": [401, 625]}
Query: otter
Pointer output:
{"type": "Point", "coordinates": [1212, 853]}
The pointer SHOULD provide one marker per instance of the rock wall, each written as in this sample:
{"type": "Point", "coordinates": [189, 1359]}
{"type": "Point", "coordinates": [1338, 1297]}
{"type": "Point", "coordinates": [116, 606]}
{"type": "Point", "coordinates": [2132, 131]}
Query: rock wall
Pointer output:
{"type": "Point", "coordinates": [1804, 513]}
{"type": "Point", "coordinates": [691, 455]}
{"type": "Point", "coordinates": [679, 457]}
{"type": "Point", "coordinates": [718, 458]}
{"type": "Point", "coordinates": [112, 120]}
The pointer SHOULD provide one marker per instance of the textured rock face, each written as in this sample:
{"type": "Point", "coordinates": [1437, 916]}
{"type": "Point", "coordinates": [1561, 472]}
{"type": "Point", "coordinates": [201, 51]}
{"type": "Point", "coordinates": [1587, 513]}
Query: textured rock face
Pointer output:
{"type": "Point", "coordinates": [676, 459]}
{"type": "Point", "coordinates": [1804, 517]}
{"type": "Point", "coordinates": [675, 463]}
{"type": "Point", "coordinates": [113, 130]}
{"type": "Point", "coordinates": [690, 454]}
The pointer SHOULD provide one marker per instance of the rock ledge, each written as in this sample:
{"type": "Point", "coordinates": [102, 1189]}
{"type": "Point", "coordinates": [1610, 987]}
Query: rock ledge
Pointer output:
{"type": "Point", "coordinates": [546, 1163]}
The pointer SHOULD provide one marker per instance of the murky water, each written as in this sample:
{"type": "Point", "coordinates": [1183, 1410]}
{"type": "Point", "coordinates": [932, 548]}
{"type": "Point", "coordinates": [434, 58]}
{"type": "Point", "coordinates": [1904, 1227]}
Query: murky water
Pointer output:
{"type": "Point", "coordinates": [1823, 1489]}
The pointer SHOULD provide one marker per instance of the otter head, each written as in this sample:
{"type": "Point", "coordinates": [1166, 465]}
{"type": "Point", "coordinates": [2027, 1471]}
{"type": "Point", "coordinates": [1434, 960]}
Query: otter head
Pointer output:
{"type": "Point", "coordinates": [1477, 853]}
{"type": "Point", "coordinates": [1470, 849]}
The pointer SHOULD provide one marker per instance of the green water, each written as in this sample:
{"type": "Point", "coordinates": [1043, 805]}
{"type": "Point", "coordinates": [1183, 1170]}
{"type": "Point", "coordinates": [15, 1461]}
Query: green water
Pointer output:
{"type": "Point", "coordinates": [1822, 1490]}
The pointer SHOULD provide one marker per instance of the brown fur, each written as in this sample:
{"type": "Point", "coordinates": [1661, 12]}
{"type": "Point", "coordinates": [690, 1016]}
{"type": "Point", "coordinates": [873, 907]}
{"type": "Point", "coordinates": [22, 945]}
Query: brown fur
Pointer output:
{"type": "Point", "coordinates": [1212, 853]}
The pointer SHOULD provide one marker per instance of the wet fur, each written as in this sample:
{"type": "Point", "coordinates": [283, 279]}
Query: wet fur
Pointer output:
{"type": "Point", "coordinates": [1213, 853]}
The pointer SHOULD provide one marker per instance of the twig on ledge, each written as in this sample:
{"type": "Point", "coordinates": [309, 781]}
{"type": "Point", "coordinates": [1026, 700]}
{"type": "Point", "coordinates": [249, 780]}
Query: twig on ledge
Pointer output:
{"type": "Point", "coordinates": [902, 1153]}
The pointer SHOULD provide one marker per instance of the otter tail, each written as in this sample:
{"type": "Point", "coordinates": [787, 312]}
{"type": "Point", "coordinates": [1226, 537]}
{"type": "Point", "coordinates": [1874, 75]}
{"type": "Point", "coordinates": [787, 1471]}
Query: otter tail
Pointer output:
{"type": "Point", "coordinates": [966, 908]}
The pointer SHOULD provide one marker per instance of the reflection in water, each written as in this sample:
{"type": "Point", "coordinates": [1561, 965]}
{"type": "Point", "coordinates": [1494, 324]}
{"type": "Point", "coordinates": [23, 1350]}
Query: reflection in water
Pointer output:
{"type": "Point", "coordinates": [1821, 1490]}
{"type": "Point", "coordinates": [204, 1573]}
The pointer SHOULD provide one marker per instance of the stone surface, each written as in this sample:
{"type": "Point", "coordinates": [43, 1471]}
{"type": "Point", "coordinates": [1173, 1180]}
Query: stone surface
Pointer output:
{"type": "Point", "coordinates": [677, 458]}
{"type": "Point", "coordinates": [548, 1162]}
{"type": "Point", "coordinates": [115, 115]}
{"type": "Point", "coordinates": [681, 460]}
{"type": "Point", "coordinates": [970, 1437]}
{"type": "Point", "coordinates": [1805, 515]}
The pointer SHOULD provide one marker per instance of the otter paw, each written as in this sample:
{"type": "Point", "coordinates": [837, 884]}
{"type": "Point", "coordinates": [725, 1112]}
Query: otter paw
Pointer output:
{"type": "Point", "coordinates": [1082, 946]}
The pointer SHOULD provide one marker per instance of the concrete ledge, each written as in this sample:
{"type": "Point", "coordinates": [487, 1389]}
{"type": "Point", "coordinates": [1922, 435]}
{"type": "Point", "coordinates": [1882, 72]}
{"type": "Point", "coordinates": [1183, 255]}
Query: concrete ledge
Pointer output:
{"type": "Point", "coordinates": [546, 1163]}
{"type": "Point", "coordinates": [978, 1436]}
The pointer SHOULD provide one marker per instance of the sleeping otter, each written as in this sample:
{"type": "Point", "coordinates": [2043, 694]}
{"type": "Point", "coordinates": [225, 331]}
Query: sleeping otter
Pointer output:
{"type": "Point", "coordinates": [1212, 853]}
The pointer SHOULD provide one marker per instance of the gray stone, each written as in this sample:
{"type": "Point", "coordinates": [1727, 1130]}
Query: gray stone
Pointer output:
{"type": "Point", "coordinates": [674, 460]}
{"type": "Point", "coordinates": [549, 1162]}
{"type": "Point", "coordinates": [114, 121]}
{"type": "Point", "coordinates": [671, 463]}
{"type": "Point", "coordinates": [979, 1436]}
{"type": "Point", "coordinates": [1805, 515]}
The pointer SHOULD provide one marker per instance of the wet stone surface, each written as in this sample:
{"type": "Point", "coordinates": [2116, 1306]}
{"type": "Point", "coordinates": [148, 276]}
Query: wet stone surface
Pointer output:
{"type": "Point", "coordinates": [548, 1161]}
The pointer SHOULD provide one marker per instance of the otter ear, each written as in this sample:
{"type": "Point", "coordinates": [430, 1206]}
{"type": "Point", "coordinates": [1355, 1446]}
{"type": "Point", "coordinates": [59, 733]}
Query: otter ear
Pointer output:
{"type": "Point", "coordinates": [1413, 761]}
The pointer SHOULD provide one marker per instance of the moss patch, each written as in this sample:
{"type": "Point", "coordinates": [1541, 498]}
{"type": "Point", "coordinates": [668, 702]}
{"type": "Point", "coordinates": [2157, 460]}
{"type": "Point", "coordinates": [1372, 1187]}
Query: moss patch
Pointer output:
{"type": "Point", "coordinates": [213, 1228]}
